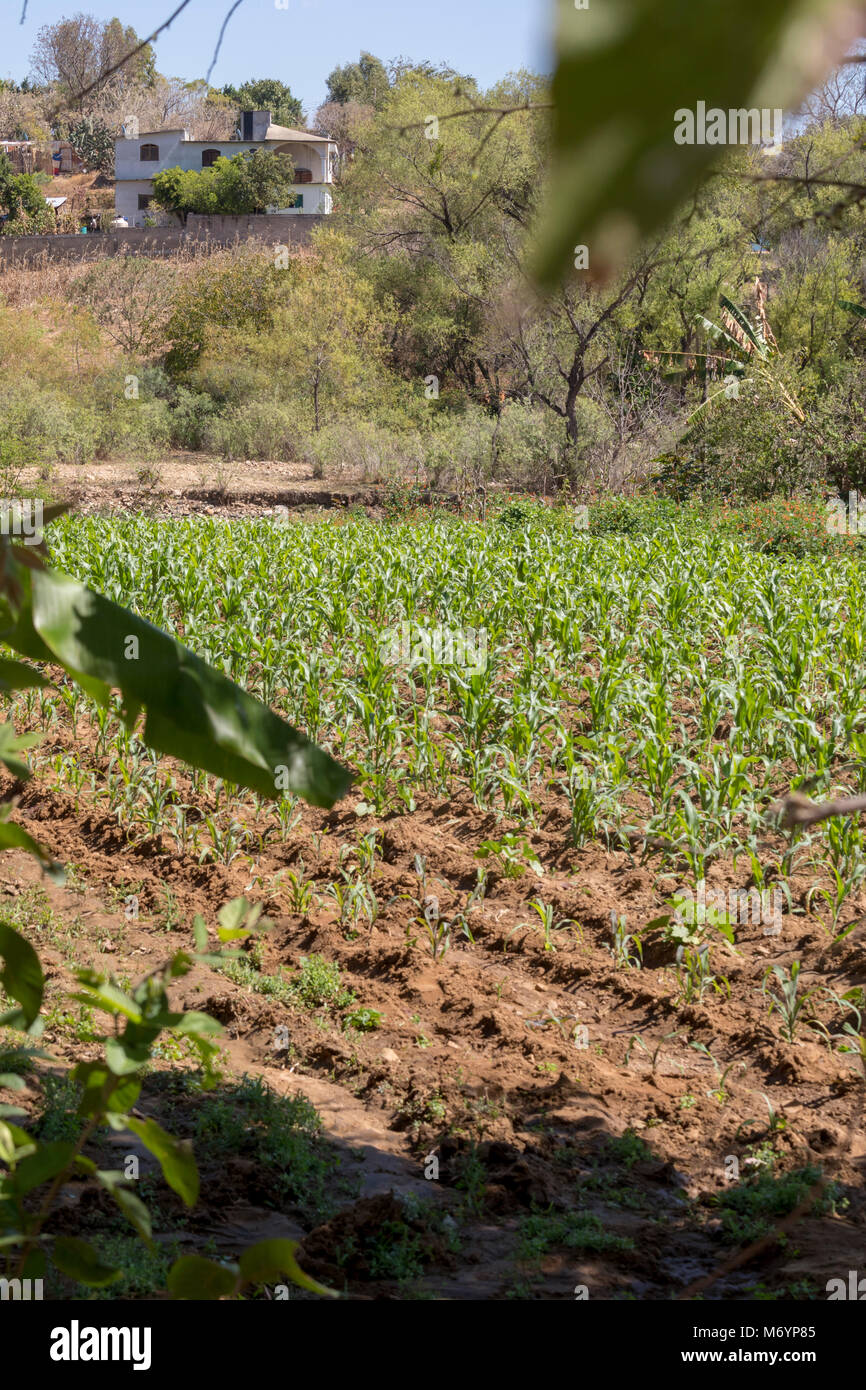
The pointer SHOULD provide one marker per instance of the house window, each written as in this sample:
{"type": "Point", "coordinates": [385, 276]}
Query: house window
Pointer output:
{"type": "Point", "coordinates": [209, 158]}
{"type": "Point", "coordinates": [303, 176]}
{"type": "Point", "coordinates": [149, 153]}
{"type": "Point", "coordinates": [144, 201]}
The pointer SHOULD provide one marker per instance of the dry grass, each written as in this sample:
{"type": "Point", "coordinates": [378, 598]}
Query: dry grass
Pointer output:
{"type": "Point", "coordinates": [47, 279]}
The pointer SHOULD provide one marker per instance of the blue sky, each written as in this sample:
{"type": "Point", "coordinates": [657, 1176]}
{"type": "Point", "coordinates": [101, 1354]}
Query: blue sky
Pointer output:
{"type": "Point", "coordinates": [302, 43]}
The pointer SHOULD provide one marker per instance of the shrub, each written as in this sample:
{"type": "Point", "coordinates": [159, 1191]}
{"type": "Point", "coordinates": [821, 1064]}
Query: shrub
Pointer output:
{"type": "Point", "coordinates": [632, 516]}
{"type": "Point", "coordinates": [784, 526]}
{"type": "Point", "coordinates": [257, 430]}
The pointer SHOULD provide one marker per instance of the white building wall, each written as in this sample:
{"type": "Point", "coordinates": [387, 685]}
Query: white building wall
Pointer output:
{"type": "Point", "coordinates": [134, 175]}
{"type": "Point", "coordinates": [126, 200]}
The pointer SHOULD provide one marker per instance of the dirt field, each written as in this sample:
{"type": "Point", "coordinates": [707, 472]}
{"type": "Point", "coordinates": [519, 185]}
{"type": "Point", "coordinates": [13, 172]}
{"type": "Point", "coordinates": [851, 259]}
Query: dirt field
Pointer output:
{"type": "Point", "coordinates": [524, 1117]}
{"type": "Point", "coordinates": [575, 1126]}
{"type": "Point", "coordinates": [194, 484]}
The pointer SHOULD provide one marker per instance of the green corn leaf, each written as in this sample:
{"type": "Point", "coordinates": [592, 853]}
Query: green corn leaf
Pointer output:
{"type": "Point", "coordinates": [193, 712]}
{"type": "Point", "coordinates": [21, 977]}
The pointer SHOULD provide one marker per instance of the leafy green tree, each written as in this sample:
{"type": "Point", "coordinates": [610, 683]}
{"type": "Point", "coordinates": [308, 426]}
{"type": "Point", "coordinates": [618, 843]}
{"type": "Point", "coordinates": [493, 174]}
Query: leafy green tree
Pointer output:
{"type": "Point", "coordinates": [23, 201]}
{"type": "Point", "coordinates": [324, 343]}
{"type": "Point", "coordinates": [245, 183]}
{"type": "Point", "coordinates": [365, 82]}
{"type": "Point", "coordinates": [268, 94]}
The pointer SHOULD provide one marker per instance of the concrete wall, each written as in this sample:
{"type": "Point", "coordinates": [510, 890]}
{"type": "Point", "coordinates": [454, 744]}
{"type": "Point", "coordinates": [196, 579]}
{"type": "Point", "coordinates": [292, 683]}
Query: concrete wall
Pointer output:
{"type": "Point", "coordinates": [286, 228]}
{"type": "Point", "coordinates": [277, 229]}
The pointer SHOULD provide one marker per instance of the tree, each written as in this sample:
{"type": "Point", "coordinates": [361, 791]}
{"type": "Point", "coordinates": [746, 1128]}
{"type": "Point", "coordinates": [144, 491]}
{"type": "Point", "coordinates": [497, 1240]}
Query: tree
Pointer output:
{"type": "Point", "coordinates": [268, 94]}
{"type": "Point", "coordinates": [323, 341]}
{"type": "Point", "coordinates": [246, 183]}
{"type": "Point", "coordinates": [19, 115]}
{"type": "Point", "coordinates": [439, 236]}
{"type": "Point", "coordinates": [22, 200]}
{"type": "Point", "coordinates": [365, 82]}
{"type": "Point", "coordinates": [78, 52]}
{"type": "Point", "coordinates": [343, 123]}
{"type": "Point", "coordinates": [171, 102]}
{"type": "Point", "coordinates": [130, 297]}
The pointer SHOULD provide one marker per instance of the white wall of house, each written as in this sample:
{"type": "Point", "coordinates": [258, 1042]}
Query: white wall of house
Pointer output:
{"type": "Point", "coordinates": [133, 175]}
{"type": "Point", "coordinates": [126, 200]}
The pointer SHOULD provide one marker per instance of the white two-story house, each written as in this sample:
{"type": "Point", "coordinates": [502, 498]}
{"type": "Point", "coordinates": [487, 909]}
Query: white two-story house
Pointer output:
{"type": "Point", "coordinates": [137, 157]}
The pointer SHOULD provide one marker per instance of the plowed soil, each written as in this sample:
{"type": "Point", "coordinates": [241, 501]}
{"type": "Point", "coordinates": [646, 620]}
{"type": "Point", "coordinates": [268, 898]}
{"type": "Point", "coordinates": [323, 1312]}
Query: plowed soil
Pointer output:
{"type": "Point", "coordinates": [529, 1119]}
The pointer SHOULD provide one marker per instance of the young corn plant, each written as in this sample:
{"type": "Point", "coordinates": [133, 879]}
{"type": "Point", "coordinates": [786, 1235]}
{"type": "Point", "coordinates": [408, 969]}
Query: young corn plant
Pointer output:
{"type": "Point", "coordinates": [845, 862]}
{"type": "Point", "coordinates": [544, 912]}
{"type": "Point", "coordinates": [512, 856]}
{"type": "Point", "coordinates": [354, 899]}
{"type": "Point", "coordinates": [301, 890]}
{"type": "Point", "coordinates": [695, 976]}
{"type": "Point", "coordinates": [795, 1004]}
{"type": "Point", "coordinates": [435, 927]}
{"type": "Point", "coordinates": [719, 1092]}
{"type": "Point", "coordinates": [624, 946]}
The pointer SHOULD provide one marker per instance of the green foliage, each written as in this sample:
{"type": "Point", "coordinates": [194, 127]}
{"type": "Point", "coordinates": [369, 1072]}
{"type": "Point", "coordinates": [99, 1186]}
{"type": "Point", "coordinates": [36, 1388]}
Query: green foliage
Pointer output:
{"type": "Point", "coordinates": [22, 201]}
{"type": "Point", "coordinates": [365, 82]}
{"type": "Point", "coordinates": [632, 516]}
{"type": "Point", "coordinates": [268, 94]}
{"type": "Point", "coordinates": [543, 1231]}
{"type": "Point", "coordinates": [194, 1277]}
{"type": "Point", "coordinates": [106, 1092]}
{"type": "Point", "coordinates": [615, 117]}
{"type": "Point", "coordinates": [363, 1020]}
{"type": "Point", "coordinates": [784, 526]}
{"type": "Point", "coordinates": [318, 985]}
{"type": "Point", "coordinates": [249, 182]}
{"type": "Point", "coordinates": [193, 712]}
{"type": "Point", "coordinates": [322, 341]}
{"type": "Point", "coordinates": [93, 142]}
{"type": "Point", "coordinates": [751, 1208]}
{"type": "Point", "coordinates": [280, 1134]}
{"type": "Point", "coordinates": [512, 855]}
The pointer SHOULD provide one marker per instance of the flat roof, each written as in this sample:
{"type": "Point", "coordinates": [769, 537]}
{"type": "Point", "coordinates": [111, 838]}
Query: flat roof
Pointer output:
{"type": "Point", "coordinates": [283, 133]}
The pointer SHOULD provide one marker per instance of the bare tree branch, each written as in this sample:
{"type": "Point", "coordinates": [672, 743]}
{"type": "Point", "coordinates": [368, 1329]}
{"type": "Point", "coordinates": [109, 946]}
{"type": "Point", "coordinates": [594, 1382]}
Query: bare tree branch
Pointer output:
{"type": "Point", "coordinates": [103, 76]}
{"type": "Point", "coordinates": [799, 810]}
{"type": "Point", "coordinates": [216, 52]}
{"type": "Point", "coordinates": [100, 81]}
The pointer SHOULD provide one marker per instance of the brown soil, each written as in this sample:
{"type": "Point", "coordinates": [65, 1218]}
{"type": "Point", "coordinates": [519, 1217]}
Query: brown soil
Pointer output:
{"type": "Point", "coordinates": [477, 1065]}
{"type": "Point", "coordinates": [184, 484]}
